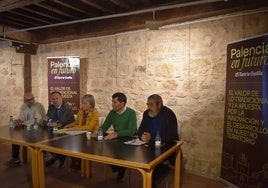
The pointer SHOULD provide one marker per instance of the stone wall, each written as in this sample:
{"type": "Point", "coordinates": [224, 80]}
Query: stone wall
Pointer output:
{"type": "Point", "coordinates": [12, 83]}
{"type": "Point", "coordinates": [185, 64]}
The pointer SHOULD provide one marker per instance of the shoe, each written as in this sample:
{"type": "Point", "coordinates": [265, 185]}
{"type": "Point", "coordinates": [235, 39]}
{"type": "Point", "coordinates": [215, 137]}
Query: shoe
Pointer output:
{"type": "Point", "coordinates": [61, 159]}
{"type": "Point", "coordinates": [14, 162]}
{"type": "Point", "coordinates": [50, 161]}
{"type": "Point", "coordinates": [114, 168]}
{"type": "Point", "coordinates": [159, 173]}
{"type": "Point", "coordinates": [121, 173]}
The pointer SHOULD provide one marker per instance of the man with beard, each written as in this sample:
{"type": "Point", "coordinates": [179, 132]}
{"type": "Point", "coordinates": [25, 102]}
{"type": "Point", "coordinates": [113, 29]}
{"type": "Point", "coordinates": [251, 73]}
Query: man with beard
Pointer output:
{"type": "Point", "coordinates": [158, 120]}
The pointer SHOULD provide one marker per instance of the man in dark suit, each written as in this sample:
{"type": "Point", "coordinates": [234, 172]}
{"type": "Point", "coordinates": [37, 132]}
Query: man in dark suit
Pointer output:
{"type": "Point", "coordinates": [58, 114]}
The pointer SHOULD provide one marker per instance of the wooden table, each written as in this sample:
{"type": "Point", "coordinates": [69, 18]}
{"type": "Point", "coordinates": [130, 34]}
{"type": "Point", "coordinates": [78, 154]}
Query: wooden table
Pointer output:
{"type": "Point", "coordinates": [27, 138]}
{"type": "Point", "coordinates": [114, 152]}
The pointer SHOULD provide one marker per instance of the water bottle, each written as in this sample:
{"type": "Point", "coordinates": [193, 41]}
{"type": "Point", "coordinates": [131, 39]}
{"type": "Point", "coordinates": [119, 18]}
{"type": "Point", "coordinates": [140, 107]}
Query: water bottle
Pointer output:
{"type": "Point", "coordinates": [55, 129]}
{"type": "Point", "coordinates": [35, 125]}
{"type": "Point", "coordinates": [11, 122]}
{"type": "Point", "coordinates": [100, 134]}
{"type": "Point", "coordinates": [157, 141]}
{"type": "Point", "coordinates": [49, 122]}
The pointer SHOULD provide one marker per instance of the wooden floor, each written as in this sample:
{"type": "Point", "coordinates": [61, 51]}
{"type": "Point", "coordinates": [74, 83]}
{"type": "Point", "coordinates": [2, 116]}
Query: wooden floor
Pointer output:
{"type": "Point", "coordinates": [20, 176]}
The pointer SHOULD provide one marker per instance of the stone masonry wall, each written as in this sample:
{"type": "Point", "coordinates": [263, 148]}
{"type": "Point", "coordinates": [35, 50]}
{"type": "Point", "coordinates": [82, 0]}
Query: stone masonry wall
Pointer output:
{"type": "Point", "coordinates": [12, 83]}
{"type": "Point", "coordinates": [185, 64]}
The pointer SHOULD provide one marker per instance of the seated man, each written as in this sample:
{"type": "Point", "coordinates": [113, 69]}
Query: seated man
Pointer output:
{"type": "Point", "coordinates": [59, 114]}
{"type": "Point", "coordinates": [28, 112]}
{"type": "Point", "coordinates": [124, 122]}
{"type": "Point", "coordinates": [158, 119]}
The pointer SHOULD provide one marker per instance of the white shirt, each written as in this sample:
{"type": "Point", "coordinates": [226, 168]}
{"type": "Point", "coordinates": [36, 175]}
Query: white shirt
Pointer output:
{"type": "Point", "coordinates": [27, 114]}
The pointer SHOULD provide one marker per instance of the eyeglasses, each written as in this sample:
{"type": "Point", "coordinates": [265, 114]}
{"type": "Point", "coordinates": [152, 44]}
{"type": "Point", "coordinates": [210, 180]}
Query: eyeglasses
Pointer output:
{"type": "Point", "coordinates": [27, 100]}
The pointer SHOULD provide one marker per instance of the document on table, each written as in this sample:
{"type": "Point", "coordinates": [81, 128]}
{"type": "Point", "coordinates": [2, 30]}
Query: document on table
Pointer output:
{"type": "Point", "coordinates": [135, 142]}
{"type": "Point", "coordinates": [75, 132]}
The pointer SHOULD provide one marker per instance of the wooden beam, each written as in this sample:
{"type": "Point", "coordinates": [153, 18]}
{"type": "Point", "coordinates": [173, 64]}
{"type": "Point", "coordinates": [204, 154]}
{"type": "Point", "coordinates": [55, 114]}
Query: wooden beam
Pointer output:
{"type": "Point", "coordinates": [120, 3]}
{"type": "Point", "coordinates": [70, 6]}
{"type": "Point", "coordinates": [54, 10]}
{"type": "Point", "coordinates": [97, 6]}
{"type": "Point", "coordinates": [6, 5]}
{"type": "Point", "coordinates": [27, 73]}
{"type": "Point", "coordinates": [134, 22]}
{"type": "Point", "coordinates": [25, 48]}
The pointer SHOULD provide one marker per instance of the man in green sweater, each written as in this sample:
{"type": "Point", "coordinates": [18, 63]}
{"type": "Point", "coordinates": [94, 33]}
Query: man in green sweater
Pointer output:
{"type": "Point", "coordinates": [124, 122]}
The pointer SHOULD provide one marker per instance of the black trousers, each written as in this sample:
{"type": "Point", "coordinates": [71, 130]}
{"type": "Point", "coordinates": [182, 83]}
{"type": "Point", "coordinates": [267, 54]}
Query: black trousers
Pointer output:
{"type": "Point", "coordinates": [117, 168]}
{"type": "Point", "coordinates": [15, 151]}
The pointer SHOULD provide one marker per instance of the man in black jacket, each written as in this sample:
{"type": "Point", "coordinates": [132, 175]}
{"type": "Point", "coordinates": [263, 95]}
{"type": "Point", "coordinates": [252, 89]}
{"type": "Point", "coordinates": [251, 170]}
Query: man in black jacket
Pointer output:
{"type": "Point", "coordinates": [158, 120]}
{"type": "Point", "coordinates": [58, 114]}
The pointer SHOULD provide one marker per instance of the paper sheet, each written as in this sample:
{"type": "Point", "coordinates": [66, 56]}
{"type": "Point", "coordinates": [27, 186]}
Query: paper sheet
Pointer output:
{"type": "Point", "coordinates": [135, 142]}
{"type": "Point", "coordinates": [75, 132]}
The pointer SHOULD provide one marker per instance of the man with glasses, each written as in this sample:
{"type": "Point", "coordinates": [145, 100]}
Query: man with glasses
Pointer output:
{"type": "Point", "coordinates": [28, 112]}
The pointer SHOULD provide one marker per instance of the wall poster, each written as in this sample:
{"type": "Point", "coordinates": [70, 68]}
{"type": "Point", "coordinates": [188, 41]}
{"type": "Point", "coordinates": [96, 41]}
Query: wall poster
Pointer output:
{"type": "Point", "coordinates": [64, 76]}
{"type": "Point", "coordinates": [245, 139]}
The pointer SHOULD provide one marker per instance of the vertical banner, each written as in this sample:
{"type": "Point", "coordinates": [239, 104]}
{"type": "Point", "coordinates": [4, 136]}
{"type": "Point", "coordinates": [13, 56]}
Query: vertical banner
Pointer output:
{"type": "Point", "coordinates": [245, 139]}
{"type": "Point", "coordinates": [64, 76]}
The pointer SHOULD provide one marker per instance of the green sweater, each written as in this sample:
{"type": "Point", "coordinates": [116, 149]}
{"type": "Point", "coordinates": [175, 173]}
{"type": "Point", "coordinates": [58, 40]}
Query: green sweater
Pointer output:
{"type": "Point", "coordinates": [124, 124]}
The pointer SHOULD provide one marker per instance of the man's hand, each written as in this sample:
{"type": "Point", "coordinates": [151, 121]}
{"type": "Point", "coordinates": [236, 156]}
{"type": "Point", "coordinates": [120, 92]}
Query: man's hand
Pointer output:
{"type": "Point", "coordinates": [146, 137]}
{"type": "Point", "coordinates": [94, 134]}
{"type": "Point", "coordinates": [110, 136]}
{"type": "Point", "coordinates": [18, 122]}
{"type": "Point", "coordinates": [45, 118]}
{"type": "Point", "coordinates": [53, 124]}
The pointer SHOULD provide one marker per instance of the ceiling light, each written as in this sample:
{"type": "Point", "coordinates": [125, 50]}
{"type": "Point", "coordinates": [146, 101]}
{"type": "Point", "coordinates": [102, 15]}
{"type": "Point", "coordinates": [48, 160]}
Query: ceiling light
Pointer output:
{"type": "Point", "coordinates": [5, 43]}
{"type": "Point", "coordinates": [153, 24]}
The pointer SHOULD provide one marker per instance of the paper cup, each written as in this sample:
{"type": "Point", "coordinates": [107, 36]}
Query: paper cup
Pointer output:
{"type": "Point", "coordinates": [88, 135]}
{"type": "Point", "coordinates": [28, 126]}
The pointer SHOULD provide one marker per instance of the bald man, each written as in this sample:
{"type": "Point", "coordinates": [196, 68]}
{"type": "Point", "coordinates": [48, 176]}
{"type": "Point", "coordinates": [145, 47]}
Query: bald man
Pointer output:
{"type": "Point", "coordinates": [28, 112]}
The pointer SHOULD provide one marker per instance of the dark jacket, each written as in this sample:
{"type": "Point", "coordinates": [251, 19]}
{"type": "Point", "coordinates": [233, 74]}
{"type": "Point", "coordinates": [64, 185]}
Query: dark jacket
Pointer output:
{"type": "Point", "coordinates": [65, 116]}
{"type": "Point", "coordinates": [168, 125]}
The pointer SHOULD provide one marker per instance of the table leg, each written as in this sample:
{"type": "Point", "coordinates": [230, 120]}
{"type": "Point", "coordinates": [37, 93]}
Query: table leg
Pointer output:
{"type": "Point", "coordinates": [86, 168]}
{"type": "Point", "coordinates": [41, 168]}
{"type": "Point", "coordinates": [24, 154]}
{"type": "Point", "coordinates": [83, 167]}
{"type": "Point", "coordinates": [177, 174]}
{"type": "Point", "coordinates": [147, 178]}
{"type": "Point", "coordinates": [34, 159]}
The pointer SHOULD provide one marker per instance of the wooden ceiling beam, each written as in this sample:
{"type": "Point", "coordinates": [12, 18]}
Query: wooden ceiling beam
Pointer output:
{"type": "Point", "coordinates": [97, 6]}
{"type": "Point", "coordinates": [54, 10]}
{"type": "Point", "coordinates": [120, 3]}
{"type": "Point", "coordinates": [12, 23]}
{"type": "Point", "coordinates": [29, 17]}
{"type": "Point", "coordinates": [72, 7]}
{"type": "Point", "coordinates": [128, 23]}
{"type": "Point", "coordinates": [6, 5]}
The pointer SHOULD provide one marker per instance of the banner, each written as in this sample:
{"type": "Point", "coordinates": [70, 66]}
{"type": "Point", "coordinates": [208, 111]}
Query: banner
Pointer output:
{"type": "Point", "coordinates": [245, 139]}
{"type": "Point", "coordinates": [64, 76]}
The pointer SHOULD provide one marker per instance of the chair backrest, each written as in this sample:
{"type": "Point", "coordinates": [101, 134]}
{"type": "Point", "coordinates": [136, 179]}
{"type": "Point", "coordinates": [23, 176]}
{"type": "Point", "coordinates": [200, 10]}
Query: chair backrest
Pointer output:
{"type": "Point", "coordinates": [179, 130]}
{"type": "Point", "coordinates": [101, 120]}
{"type": "Point", "coordinates": [138, 123]}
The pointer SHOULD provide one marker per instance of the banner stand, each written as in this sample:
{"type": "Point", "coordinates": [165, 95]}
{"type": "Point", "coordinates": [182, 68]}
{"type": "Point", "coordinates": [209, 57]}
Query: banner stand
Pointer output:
{"type": "Point", "coordinates": [245, 137]}
{"type": "Point", "coordinates": [64, 77]}
{"type": "Point", "coordinates": [226, 183]}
